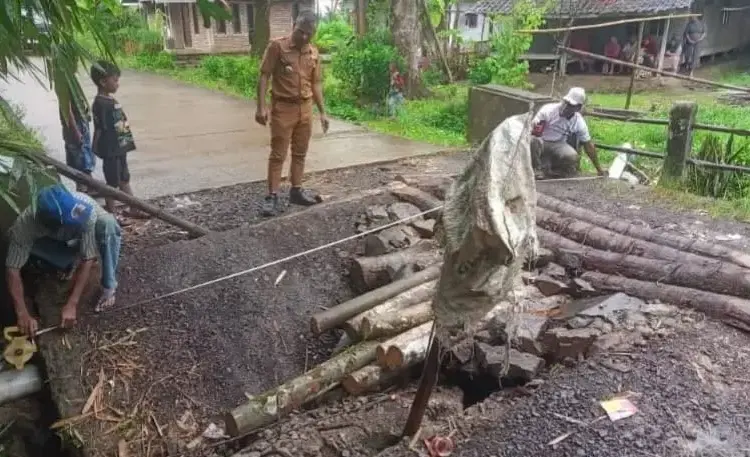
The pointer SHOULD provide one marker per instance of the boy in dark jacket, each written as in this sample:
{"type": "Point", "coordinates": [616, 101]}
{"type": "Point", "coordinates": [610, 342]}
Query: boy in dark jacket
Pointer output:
{"type": "Point", "coordinates": [113, 139]}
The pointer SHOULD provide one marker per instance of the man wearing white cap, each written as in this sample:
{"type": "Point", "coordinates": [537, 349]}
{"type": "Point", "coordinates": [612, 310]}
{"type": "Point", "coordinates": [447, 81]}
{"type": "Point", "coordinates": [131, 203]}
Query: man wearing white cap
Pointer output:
{"type": "Point", "coordinates": [558, 128]}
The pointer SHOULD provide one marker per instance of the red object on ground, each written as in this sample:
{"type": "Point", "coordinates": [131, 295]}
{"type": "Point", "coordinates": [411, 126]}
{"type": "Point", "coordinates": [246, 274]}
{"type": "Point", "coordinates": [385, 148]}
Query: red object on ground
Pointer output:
{"type": "Point", "coordinates": [439, 446]}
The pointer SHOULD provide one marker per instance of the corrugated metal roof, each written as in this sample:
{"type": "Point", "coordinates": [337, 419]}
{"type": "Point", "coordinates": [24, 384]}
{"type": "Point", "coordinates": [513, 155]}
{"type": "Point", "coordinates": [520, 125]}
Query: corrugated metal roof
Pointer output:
{"type": "Point", "coordinates": [589, 8]}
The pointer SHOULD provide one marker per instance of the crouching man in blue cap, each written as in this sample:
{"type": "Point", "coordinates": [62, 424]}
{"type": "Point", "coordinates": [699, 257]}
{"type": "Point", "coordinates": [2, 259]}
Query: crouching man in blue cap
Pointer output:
{"type": "Point", "coordinates": [61, 227]}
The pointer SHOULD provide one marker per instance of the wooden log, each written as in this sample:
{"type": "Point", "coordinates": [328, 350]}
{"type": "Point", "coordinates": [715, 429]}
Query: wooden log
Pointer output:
{"type": "Point", "coordinates": [390, 324]}
{"type": "Point", "coordinates": [268, 407]}
{"type": "Point", "coordinates": [111, 192]}
{"type": "Point", "coordinates": [722, 280]}
{"type": "Point", "coordinates": [407, 344]}
{"type": "Point", "coordinates": [625, 227]}
{"type": "Point", "coordinates": [369, 379]}
{"type": "Point", "coordinates": [435, 184]}
{"type": "Point", "coordinates": [368, 273]}
{"type": "Point", "coordinates": [608, 240]}
{"type": "Point", "coordinates": [717, 305]}
{"type": "Point", "coordinates": [337, 315]}
{"type": "Point", "coordinates": [418, 198]}
{"type": "Point", "coordinates": [392, 306]}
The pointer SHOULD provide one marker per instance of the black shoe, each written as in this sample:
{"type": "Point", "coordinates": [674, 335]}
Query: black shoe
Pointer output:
{"type": "Point", "coordinates": [300, 196]}
{"type": "Point", "coordinates": [271, 206]}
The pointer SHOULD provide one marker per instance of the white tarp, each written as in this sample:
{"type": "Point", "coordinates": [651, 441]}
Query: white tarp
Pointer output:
{"type": "Point", "coordinates": [488, 228]}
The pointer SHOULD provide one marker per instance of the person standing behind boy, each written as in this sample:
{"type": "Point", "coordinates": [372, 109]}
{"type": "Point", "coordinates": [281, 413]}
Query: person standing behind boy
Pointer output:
{"type": "Point", "coordinates": [113, 139]}
{"type": "Point", "coordinates": [77, 138]}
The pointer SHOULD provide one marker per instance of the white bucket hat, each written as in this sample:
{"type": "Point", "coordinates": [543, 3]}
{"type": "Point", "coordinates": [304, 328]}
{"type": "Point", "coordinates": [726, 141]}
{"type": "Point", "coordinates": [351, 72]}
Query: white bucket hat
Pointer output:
{"type": "Point", "coordinates": [575, 96]}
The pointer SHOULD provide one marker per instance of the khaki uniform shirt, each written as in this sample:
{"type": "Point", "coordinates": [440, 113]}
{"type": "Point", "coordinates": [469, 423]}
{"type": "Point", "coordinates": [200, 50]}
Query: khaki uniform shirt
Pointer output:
{"type": "Point", "coordinates": [293, 71]}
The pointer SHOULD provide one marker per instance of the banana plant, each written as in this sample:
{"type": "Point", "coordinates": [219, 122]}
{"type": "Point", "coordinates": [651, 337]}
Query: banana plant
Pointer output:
{"type": "Point", "coordinates": [41, 38]}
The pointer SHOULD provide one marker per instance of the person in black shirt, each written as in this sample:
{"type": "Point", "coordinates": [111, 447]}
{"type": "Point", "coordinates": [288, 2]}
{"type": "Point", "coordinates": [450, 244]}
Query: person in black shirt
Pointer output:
{"type": "Point", "coordinates": [77, 138]}
{"type": "Point", "coordinates": [113, 139]}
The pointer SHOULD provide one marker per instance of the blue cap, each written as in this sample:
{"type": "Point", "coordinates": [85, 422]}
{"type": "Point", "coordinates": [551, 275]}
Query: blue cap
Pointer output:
{"type": "Point", "coordinates": [56, 203]}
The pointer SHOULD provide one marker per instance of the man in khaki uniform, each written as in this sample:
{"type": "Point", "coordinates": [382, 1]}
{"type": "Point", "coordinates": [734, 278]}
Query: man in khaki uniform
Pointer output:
{"type": "Point", "coordinates": [293, 66]}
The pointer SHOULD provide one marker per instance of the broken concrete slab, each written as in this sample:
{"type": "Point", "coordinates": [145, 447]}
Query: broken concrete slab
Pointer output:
{"type": "Point", "coordinates": [424, 227]}
{"type": "Point", "coordinates": [390, 239]}
{"type": "Point", "coordinates": [523, 365]}
{"type": "Point", "coordinates": [659, 309]}
{"type": "Point", "coordinates": [491, 359]}
{"type": "Point", "coordinates": [543, 257]}
{"type": "Point", "coordinates": [377, 213]}
{"type": "Point", "coordinates": [575, 343]}
{"type": "Point", "coordinates": [549, 286]}
{"type": "Point", "coordinates": [401, 210]}
{"type": "Point", "coordinates": [610, 307]}
{"type": "Point", "coordinates": [529, 334]}
{"type": "Point", "coordinates": [582, 289]}
{"type": "Point", "coordinates": [554, 270]}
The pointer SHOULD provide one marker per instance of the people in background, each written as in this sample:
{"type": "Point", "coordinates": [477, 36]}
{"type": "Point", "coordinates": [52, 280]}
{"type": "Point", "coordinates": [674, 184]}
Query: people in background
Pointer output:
{"type": "Point", "coordinates": [672, 54]}
{"type": "Point", "coordinates": [580, 40]}
{"type": "Point", "coordinates": [113, 140]}
{"type": "Point", "coordinates": [558, 129]}
{"type": "Point", "coordinates": [612, 50]}
{"type": "Point", "coordinates": [695, 33]}
{"type": "Point", "coordinates": [395, 91]}
{"type": "Point", "coordinates": [61, 226]}
{"type": "Point", "coordinates": [628, 52]}
{"type": "Point", "coordinates": [292, 64]}
{"type": "Point", "coordinates": [648, 52]}
{"type": "Point", "coordinates": [75, 119]}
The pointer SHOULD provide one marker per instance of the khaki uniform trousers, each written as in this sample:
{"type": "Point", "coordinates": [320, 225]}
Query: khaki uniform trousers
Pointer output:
{"type": "Point", "coordinates": [291, 125]}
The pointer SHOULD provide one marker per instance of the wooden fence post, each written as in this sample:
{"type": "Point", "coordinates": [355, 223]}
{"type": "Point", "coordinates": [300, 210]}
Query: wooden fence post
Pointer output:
{"type": "Point", "coordinates": [639, 44]}
{"type": "Point", "coordinates": [679, 141]}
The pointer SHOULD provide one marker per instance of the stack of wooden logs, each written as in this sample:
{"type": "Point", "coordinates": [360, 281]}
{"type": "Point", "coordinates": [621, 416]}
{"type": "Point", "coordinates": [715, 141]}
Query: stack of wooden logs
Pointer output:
{"type": "Point", "coordinates": [389, 324]}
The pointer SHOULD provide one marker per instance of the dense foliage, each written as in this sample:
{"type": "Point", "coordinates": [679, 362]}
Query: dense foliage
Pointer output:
{"type": "Point", "coordinates": [710, 182]}
{"type": "Point", "coordinates": [333, 34]}
{"type": "Point", "coordinates": [503, 64]}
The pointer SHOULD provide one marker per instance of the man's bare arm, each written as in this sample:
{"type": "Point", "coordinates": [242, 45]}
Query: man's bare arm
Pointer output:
{"type": "Point", "coordinates": [80, 279]}
{"type": "Point", "coordinates": [15, 287]}
{"type": "Point", "coordinates": [593, 156]}
{"type": "Point", "coordinates": [318, 97]}
{"type": "Point", "coordinates": [262, 90]}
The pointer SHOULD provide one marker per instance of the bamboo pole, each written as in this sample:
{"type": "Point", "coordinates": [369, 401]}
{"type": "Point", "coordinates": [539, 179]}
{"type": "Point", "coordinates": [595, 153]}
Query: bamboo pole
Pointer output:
{"type": "Point", "coordinates": [664, 40]}
{"type": "Point", "coordinates": [607, 24]}
{"type": "Point", "coordinates": [665, 122]}
{"type": "Point", "coordinates": [111, 192]}
{"type": "Point", "coordinates": [637, 61]}
{"type": "Point", "coordinates": [707, 82]}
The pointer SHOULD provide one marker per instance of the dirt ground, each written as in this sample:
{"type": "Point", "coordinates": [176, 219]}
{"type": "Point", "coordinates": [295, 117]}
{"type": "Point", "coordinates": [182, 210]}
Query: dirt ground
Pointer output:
{"type": "Point", "coordinates": [690, 390]}
{"type": "Point", "coordinates": [169, 368]}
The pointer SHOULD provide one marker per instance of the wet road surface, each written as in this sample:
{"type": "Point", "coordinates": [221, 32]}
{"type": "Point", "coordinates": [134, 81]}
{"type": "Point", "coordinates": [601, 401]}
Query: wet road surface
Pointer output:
{"type": "Point", "coordinates": [191, 138]}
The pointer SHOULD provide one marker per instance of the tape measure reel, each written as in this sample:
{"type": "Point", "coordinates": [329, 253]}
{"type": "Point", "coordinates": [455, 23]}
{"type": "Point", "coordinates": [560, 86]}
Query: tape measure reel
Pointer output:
{"type": "Point", "coordinates": [19, 349]}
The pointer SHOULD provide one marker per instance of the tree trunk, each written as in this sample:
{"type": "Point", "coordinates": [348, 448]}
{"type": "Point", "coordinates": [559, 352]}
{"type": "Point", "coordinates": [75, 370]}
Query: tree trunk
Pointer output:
{"type": "Point", "coordinates": [644, 233]}
{"type": "Point", "coordinates": [261, 27]}
{"type": "Point", "coordinates": [404, 348]}
{"type": "Point", "coordinates": [435, 184]}
{"type": "Point", "coordinates": [607, 240]}
{"type": "Point", "coordinates": [388, 325]}
{"type": "Point", "coordinates": [430, 31]}
{"type": "Point", "coordinates": [404, 300]}
{"type": "Point", "coordinates": [369, 379]}
{"type": "Point", "coordinates": [369, 273]}
{"type": "Point", "coordinates": [268, 407]}
{"type": "Point", "coordinates": [723, 280]}
{"type": "Point", "coordinates": [418, 198]}
{"type": "Point", "coordinates": [334, 317]}
{"type": "Point", "coordinates": [405, 27]}
{"type": "Point", "coordinates": [717, 305]}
